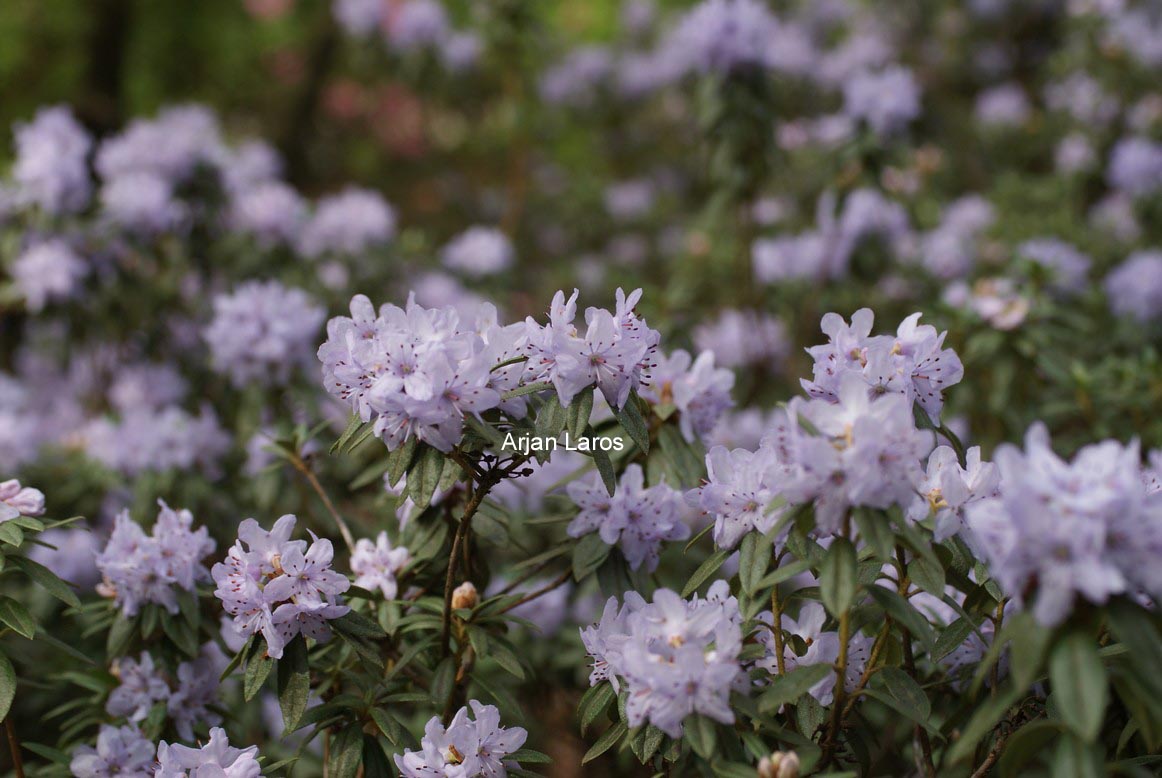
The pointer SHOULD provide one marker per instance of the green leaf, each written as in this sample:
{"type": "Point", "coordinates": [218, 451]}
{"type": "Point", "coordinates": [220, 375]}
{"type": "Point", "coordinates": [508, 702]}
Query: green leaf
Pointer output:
{"type": "Point", "coordinates": [1079, 684]}
{"type": "Point", "coordinates": [608, 740]}
{"type": "Point", "coordinates": [687, 461]}
{"type": "Point", "coordinates": [355, 624]}
{"type": "Point", "coordinates": [629, 416]}
{"type": "Point", "coordinates": [17, 617]}
{"type": "Point", "coordinates": [604, 466]}
{"type": "Point", "coordinates": [424, 475]}
{"type": "Point", "coordinates": [594, 702]}
{"type": "Point", "coordinates": [753, 560]}
{"type": "Point", "coordinates": [927, 573]}
{"type": "Point", "coordinates": [1076, 758]}
{"type": "Point", "coordinates": [1025, 745]}
{"type": "Point", "coordinates": [551, 418]}
{"type": "Point", "coordinates": [521, 391]}
{"type": "Point", "coordinates": [346, 752]}
{"type": "Point", "coordinates": [11, 534]}
{"type": "Point", "coordinates": [784, 572]}
{"type": "Point", "coordinates": [1132, 625]}
{"type": "Point", "coordinates": [875, 531]}
{"type": "Point", "coordinates": [530, 756]}
{"type": "Point", "coordinates": [1027, 655]}
{"type": "Point", "coordinates": [353, 425]}
{"type": "Point", "coordinates": [121, 633]}
{"type": "Point", "coordinates": [443, 679]}
{"type": "Point", "coordinates": [375, 762]}
{"type": "Point", "coordinates": [294, 683]}
{"type": "Point", "coordinates": [702, 734]}
{"type": "Point", "coordinates": [7, 685]}
{"type": "Point", "coordinates": [901, 693]}
{"type": "Point", "coordinates": [951, 638]}
{"type": "Point", "coordinates": [578, 413]}
{"type": "Point", "coordinates": [705, 571]}
{"type": "Point", "coordinates": [400, 460]}
{"type": "Point", "coordinates": [258, 667]}
{"type": "Point", "coordinates": [904, 613]}
{"type": "Point", "coordinates": [837, 577]}
{"type": "Point", "coordinates": [588, 555]}
{"type": "Point", "coordinates": [792, 685]}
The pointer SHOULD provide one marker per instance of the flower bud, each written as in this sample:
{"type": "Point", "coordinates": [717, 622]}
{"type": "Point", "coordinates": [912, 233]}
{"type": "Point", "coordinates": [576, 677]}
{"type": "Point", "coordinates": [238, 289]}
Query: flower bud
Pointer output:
{"type": "Point", "coordinates": [780, 764]}
{"type": "Point", "coordinates": [464, 596]}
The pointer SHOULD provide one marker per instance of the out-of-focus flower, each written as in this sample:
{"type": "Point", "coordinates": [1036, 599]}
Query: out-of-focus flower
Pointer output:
{"type": "Point", "coordinates": [348, 224]}
{"type": "Point", "coordinates": [478, 252]}
{"type": "Point", "coordinates": [1134, 288]}
{"type": "Point", "coordinates": [51, 168]}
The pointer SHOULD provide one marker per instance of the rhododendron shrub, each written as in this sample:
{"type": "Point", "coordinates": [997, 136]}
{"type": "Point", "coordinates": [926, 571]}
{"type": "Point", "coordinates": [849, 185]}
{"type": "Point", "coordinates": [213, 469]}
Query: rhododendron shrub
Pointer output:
{"type": "Point", "coordinates": [717, 388]}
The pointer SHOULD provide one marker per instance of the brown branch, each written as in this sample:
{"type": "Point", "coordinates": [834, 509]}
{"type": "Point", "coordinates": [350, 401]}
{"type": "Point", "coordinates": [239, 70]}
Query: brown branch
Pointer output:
{"type": "Point", "coordinates": [556, 584]}
{"type": "Point", "coordinates": [14, 747]}
{"type": "Point", "coordinates": [919, 733]}
{"type": "Point", "coordinates": [301, 466]}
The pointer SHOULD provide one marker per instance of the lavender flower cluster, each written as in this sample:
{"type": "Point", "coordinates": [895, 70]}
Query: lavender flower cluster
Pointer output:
{"type": "Point", "coordinates": [675, 657]}
{"type": "Point", "coordinates": [277, 587]}
{"type": "Point", "coordinates": [635, 518]}
{"type": "Point", "coordinates": [138, 568]}
{"type": "Point", "coordinates": [1090, 527]}
{"type": "Point", "coordinates": [472, 743]}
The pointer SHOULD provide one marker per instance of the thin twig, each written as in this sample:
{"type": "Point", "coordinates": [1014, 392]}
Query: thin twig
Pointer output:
{"type": "Point", "coordinates": [454, 557]}
{"type": "Point", "coordinates": [993, 754]}
{"type": "Point", "coordinates": [301, 466]}
{"type": "Point", "coordinates": [14, 747]}
{"type": "Point", "coordinates": [557, 583]}
{"type": "Point", "coordinates": [777, 629]}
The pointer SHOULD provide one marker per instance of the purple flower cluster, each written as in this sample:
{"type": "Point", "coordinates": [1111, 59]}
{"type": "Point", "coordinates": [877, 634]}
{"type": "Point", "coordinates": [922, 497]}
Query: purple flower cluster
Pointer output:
{"type": "Point", "coordinates": [414, 370]}
{"type": "Point", "coordinates": [278, 587]}
{"type": "Point", "coordinates": [187, 698]}
{"type": "Point", "coordinates": [138, 568]}
{"type": "Point", "coordinates": [146, 439]}
{"type": "Point", "coordinates": [886, 100]}
{"type": "Point", "coordinates": [745, 338]}
{"type": "Point", "coordinates": [914, 363]}
{"type": "Point", "coordinates": [467, 747]}
{"type": "Point", "coordinates": [676, 657]}
{"type": "Point", "coordinates": [698, 390]}
{"type": "Point", "coordinates": [1134, 288]}
{"type": "Point", "coordinates": [479, 252]}
{"type": "Point", "coordinates": [48, 270]}
{"type": "Point", "coordinates": [376, 565]}
{"type": "Point", "coordinates": [51, 169]}
{"type": "Point", "coordinates": [347, 224]}
{"type": "Point", "coordinates": [120, 751]}
{"type": "Point", "coordinates": [615, 354]}
{"type": "Point", "coordinates": [216, 758]}
{"type": "Point", "coordinates": [949, 487]}
{"type": "Point", "coordinates": [1067, 267]}
{"type": "Point", "coordinates": [1059, 529]}
{"type": "Point", "coordinates": [636, 519]}
{"type": "Point", "coordinates": [262, 331]}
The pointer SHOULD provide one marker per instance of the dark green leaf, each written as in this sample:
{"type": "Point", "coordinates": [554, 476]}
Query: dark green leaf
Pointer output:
{"type": "Point", "coordinates": [792, 685]}
{"type": "Point", "coordinates": [7, 685]}
{"type": "Point", "coordinates": [705, 571]}
{"type": "Point", "coordinates": [17, 617]}
{"type": "Point", "coordinates": [608, 740]}
{"type": "Point", "coordinates": [837, 577]}
{"type": "Point", "coordinates": [1079, 683]}
{"type": "Point", "coordinates": [904, 613]}
{"type": "Point", "coordinates": [588, 555]}
{"type": "Point", "coordinates": [578, 413]}
{"type": "Point", "coordinates": [631, 420]}
{"type": "Point", "coordinates": [346, 753]}
{"type": "Point", "coordinates": [753, 560]}
{"type": "Point", "coordinates": [294, 682]}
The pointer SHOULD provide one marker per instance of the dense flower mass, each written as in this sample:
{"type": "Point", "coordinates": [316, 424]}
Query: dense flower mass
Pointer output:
{"type": "Point", "coordinates": [48, 271]}
{"type": "Point", "coordinates": [216, 758]}
{"type": "Point", "coordinates": [676, 657]}
{"type": "Point", "coordinates": [138, 568]}
{"type": "Point", "coordinates": [277, 587]}
{"type": "Point", "coordinates": [698, 390]}
{"type": "Point", "coordinates": [348, 224]}
{"type": "Point", "coordinates": [475, 746]}
{"type": "Point", "coordinates": [414, 371]}
{"type": "Point", "coordinates": [187, 697]}
{"type": "Point", "coordinates": [635, 518]}
{"type": "Point", "coordinates": [914, 363]}
{"type": "Point", "coordinates": [120, 751]}
{"type": "Point", "coordinates": [262, 331]}
{"type": "Point", "coordinates": [51, 168]}
{"type": "Point", "coordinates": [1061, 529]}
{"type": "Point", "coordinates": [615, 353]}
